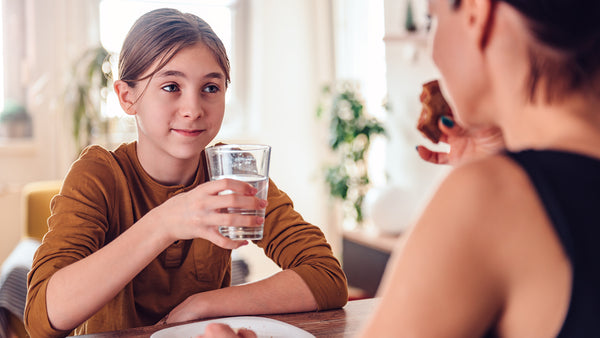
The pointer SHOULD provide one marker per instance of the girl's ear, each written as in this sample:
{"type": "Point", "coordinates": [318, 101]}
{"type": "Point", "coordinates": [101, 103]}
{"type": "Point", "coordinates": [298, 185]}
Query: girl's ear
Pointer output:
{"type": "Point", "coordinates": [126, 96]}
{"type": "Point", "coordinates": [479, 16]}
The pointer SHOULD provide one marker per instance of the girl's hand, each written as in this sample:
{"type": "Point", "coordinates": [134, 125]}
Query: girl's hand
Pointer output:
{"type": "Point", "coordinates": [198, 213]}
{"type": "Point", "coordinates": [464, 144]}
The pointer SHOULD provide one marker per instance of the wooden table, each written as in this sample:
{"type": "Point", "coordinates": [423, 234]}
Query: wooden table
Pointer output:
{"type": "Point", "coordinates": [344, 322]}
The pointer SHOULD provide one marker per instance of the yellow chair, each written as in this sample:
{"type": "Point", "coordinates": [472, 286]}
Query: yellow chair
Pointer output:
{"type": "Point", "coordinates": [36, 197]}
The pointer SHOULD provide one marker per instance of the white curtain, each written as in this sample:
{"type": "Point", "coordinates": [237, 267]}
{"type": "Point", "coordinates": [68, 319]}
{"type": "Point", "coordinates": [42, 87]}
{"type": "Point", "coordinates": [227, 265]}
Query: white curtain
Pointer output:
{"type": "Point", "coordinates": [57, 33]}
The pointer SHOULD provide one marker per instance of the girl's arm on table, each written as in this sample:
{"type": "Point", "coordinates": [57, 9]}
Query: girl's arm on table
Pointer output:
{"type": "Point", "coordinates": [284, 292]}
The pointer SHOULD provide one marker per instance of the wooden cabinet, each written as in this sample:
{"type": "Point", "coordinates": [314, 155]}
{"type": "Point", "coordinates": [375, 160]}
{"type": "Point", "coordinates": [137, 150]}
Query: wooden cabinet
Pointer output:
{"type": "Point", "coordinates": [364, 258]}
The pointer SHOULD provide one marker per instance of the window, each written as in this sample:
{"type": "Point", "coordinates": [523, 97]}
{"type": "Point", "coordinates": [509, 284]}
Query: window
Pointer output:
{"type": "Point", "coordinates": [360, 56]}
{"type": "Point", "coordinates": [117, 17]}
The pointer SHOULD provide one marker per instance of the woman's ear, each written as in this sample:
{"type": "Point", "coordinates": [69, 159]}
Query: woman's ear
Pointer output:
{"type": "Point", "coordinates": [479, 16]}
{"type": "Point", "coordinates": [126, 96]}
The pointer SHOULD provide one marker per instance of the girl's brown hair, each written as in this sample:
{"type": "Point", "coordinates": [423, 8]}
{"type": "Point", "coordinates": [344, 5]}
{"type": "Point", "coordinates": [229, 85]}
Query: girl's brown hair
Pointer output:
{"type": "Point", "coordinates": [159, 35]}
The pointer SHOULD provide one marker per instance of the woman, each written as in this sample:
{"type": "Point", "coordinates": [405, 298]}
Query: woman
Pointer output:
{"type": "Point", "coordinates": [508, 244]}
{"type": "Point", "coordinates": [133, 233]}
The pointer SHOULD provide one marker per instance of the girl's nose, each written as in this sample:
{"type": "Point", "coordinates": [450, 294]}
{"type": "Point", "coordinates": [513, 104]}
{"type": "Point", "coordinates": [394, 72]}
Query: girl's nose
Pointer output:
{"type": "Point", "coordinates": [192, 108]}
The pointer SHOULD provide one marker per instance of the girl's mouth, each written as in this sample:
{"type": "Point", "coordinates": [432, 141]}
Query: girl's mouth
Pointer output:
{"type": "Point", "coordinates": [188, 132]}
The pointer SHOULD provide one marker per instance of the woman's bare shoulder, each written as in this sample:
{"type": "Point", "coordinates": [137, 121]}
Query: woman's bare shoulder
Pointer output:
{"type": "Point", "coordinates": [478, 193]}
{"type": "Point", "coordinates": [457, 263]}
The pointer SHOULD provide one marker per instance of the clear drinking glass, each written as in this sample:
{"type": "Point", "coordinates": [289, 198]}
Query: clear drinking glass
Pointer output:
{"type": "Point", "coordinates": [243, 162]}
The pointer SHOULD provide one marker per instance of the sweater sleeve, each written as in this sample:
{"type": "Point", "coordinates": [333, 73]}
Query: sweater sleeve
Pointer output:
{"type": "Point", "coordinates": [76, 228]}
{"type": "Point", "coordinates": [292, 243]}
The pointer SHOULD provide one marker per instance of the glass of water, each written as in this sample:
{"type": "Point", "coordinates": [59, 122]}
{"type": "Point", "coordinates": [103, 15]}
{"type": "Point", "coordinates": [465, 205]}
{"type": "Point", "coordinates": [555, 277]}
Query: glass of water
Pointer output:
{"type": "Point", "coordinates": [243, 162]}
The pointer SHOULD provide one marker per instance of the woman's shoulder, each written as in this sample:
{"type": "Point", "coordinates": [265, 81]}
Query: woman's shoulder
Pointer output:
{"type": "Point", "coordinates": [485, 199]}
{"type": "Point", "coordinates": [487, 180]}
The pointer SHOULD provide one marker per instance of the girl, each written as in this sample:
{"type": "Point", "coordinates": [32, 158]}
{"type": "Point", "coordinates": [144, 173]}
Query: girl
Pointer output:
{"type": "Point", "coordinates": [508, 244]}
{"type": "Point", "coordinates": [133, 233]}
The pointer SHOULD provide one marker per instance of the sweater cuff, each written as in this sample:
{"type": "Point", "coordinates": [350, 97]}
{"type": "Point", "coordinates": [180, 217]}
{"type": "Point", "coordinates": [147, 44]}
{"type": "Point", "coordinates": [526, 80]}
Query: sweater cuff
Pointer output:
{"type": "Point", "coordinates": [329, 289]}
{"type": "Point", "coordinates": [36, 318]}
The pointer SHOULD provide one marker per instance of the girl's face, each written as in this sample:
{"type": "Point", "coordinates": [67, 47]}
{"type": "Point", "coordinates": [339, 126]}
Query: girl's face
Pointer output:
{"type": "Point", "coordinates": [181, 109]}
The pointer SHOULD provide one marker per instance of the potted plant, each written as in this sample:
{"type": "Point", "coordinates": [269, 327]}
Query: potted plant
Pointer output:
{"type": "Point", "coordinates": [15, 122]}
{"type": "Point", "coordinates": [91, 83]}
{"type": "Point", "coordinates": [351, 130]}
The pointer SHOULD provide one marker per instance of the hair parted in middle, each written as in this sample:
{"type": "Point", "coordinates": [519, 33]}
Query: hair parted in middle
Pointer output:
{"type": "Point", "coordinates": [158, 35]}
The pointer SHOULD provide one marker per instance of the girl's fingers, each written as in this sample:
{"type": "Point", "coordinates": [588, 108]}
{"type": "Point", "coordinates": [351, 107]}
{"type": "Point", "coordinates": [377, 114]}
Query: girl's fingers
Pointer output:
{"type": "Point", "coordinates": [215, 187]}
{"type": "Point", "coordinates": [235, 201]}
{"type": "Point", "coordinates": [225, 218]}
{"type": "Point", "coordinates": [224, 242]}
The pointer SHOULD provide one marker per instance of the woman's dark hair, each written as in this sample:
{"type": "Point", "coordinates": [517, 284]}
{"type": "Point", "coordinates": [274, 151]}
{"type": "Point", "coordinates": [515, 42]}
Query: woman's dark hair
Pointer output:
{"type": "Point", "coordinates": [159, 35]}
{"type": "Point", "coordinates": [568, 57]}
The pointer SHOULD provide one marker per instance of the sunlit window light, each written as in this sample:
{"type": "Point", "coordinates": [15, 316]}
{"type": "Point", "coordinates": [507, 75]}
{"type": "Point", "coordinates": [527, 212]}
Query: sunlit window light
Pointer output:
{"type": "Point", "coordinates": [117, 17]}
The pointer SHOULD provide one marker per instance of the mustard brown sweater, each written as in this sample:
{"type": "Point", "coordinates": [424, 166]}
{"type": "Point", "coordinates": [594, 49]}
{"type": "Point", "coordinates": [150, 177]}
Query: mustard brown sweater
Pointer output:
{"type": "Point", "coordinates": [105, 192]}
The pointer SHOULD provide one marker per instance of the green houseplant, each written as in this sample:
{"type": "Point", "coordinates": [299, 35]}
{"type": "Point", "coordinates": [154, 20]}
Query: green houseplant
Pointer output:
{"type": "Point", "coordinates": [351, 130]}
{"type": "Point", "coordinates": [91, 83]}
{"type": "Point", "coordinates": [15, 121]}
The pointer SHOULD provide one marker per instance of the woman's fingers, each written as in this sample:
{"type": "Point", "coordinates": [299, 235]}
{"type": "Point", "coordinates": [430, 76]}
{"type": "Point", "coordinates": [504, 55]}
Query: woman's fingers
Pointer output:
{"type": "Point", "coordinates": [450, 128]}
{"type": "Point", "coordinates": [246, 333]}
{"type": "Point", "coordinates": [434, 157]}
{"type": "Point", "coordinates": [220, 330]}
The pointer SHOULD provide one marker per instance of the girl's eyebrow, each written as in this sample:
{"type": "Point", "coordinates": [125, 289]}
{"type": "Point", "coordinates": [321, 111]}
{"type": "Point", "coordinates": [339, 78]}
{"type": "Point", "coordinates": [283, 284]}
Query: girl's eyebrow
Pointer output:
{"type": "Point", "coordinates": [168, 72]}
{"type": "Point", "coordinates": [214, 75]}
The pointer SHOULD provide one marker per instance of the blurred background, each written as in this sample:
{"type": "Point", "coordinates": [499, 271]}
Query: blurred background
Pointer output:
{"type": "Point", "coordinates": [331, 85]}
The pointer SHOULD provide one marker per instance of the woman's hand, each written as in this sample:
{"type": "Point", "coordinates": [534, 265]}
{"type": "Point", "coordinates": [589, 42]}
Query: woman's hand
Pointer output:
{"type": "Point", "coordinates": [198, 213]}
{"type": "Point", "coordinates": [464, 144]}
{"type": "Point", "coordinates": [220, 330]}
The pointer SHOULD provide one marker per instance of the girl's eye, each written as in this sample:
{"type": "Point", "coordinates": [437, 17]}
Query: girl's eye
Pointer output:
{"type": "Point", "coordinates": [170, 88]}
{"type": "Point", "coordinates": [210, 89]}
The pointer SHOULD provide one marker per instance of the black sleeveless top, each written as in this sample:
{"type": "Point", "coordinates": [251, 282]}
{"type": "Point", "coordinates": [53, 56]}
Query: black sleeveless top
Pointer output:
{"type": "Point", "coordinates": [568, 185]}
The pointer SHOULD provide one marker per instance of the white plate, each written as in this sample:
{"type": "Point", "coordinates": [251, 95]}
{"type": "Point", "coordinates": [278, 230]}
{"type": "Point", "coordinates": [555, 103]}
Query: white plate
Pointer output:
{"type": "Point", "coordinates": [263, 327]}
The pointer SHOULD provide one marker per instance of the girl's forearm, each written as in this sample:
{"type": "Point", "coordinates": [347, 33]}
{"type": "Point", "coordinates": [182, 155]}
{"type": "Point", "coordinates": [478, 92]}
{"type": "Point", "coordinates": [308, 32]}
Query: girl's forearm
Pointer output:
{"type": "Point", "coordinates": [283, 292]}
{"type": "Point", "coordinates": [77, 291]}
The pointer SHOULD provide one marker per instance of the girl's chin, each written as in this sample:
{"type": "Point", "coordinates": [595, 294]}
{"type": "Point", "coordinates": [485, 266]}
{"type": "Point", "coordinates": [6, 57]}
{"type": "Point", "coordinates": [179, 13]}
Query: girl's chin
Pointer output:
{"type": "Point", "coordinates": [185, 152]}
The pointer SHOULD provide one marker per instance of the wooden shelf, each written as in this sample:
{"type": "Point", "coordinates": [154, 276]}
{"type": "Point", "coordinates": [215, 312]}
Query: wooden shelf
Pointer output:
{"type": "Point", "coordinates": [373, 239]}
{"type": "Point", "coordinates": [364, 258]}
{"type": "Point", "coordinates": [420, 38]}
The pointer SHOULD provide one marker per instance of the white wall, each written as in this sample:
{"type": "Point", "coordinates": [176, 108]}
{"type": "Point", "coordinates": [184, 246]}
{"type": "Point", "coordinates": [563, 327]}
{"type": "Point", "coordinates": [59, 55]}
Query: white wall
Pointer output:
{"type": "Point", "coordinates": [289, 60]}
{"type": "Point", "coordinates": [409, 65]}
